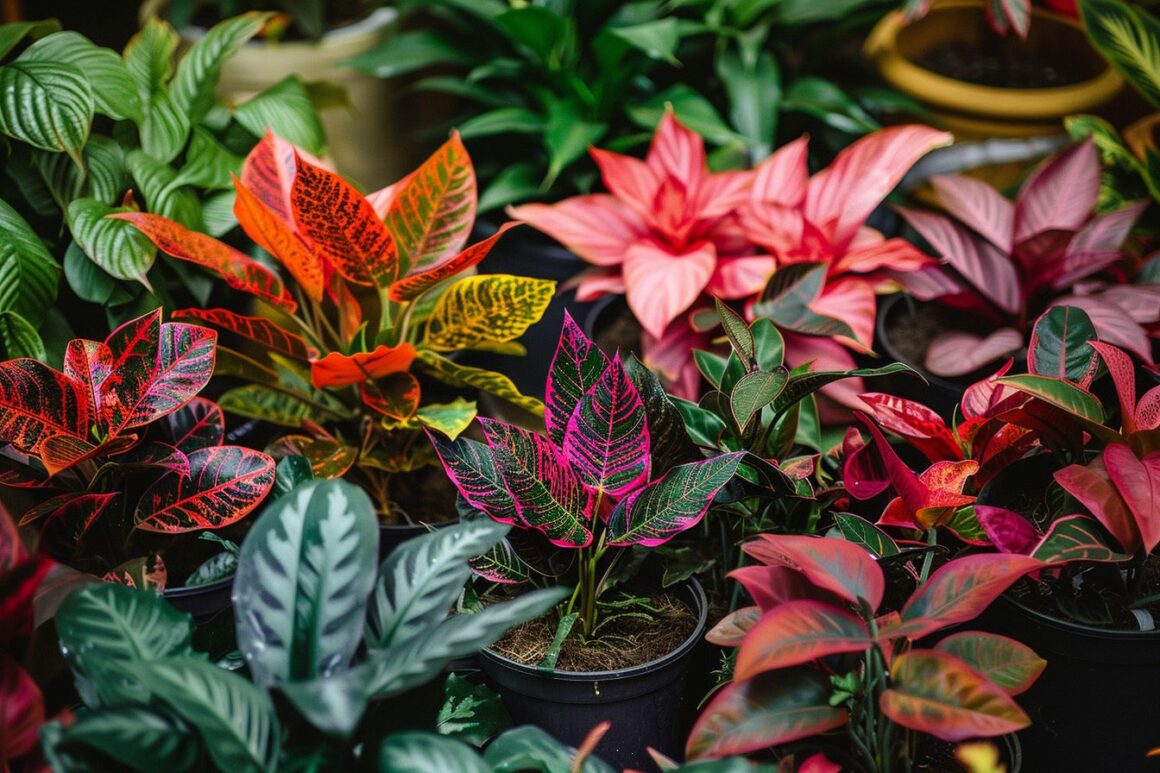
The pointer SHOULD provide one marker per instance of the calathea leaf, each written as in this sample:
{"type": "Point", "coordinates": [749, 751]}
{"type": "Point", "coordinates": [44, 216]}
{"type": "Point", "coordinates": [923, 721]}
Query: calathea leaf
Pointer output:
{"type": "Point", "coordinates": [18, 338]}
{"type": "Point", "coordinates": [117, 247]}
{"type": "Point", "coordinates": [678, 501]}
{"type": "Point", "coordinates": [49, 105]}
{"type": "Point", "coordinates": [224, 484]}
{"type": "Point", "coordinates": [607, 438]}
{"type": "Point", "coordinates": [28, 272]}
{"type": "Point", "coordinates": [114, 92]}
{"type": "Point", "coordinates": [486, 308]}
{"type": "Point", "coordinates": [137, 737]}
{"type": "Point", "coordinates": [234, 718]}
{"type": "Point", "coordinates": [414, 751]}
{"type": "Point", "coordinates": [546, 490]}
{"type": "Point", "coordinates": [472, 467]}
{"type": "Point", "coordinates": [199, 69]}
{"type": "Point", "coordinates": [576, 367]}
{"type": "Point", "coordinates": [472, 712]}
{"type": "Point", "coordinates": [419, 581]}
{"type": "Point", "coordinates": [530, 748]}
{"type": "Point", "coordinates": [304, 575]}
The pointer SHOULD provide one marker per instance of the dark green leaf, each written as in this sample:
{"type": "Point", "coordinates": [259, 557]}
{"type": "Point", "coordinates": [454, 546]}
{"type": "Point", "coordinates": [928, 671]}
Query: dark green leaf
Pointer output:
{"type": "Point", "coordinates": [414, 751]}
{"type": "Point", "coordinates": [471, 712]}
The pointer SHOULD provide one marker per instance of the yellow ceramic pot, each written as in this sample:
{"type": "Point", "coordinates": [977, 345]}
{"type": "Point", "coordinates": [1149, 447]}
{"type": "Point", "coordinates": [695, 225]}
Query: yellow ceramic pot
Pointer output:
{"type": "Point", "coordinates": [973, 111]}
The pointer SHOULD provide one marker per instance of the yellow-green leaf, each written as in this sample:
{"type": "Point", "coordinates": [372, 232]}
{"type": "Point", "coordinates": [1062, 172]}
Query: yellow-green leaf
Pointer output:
{"type": "Point", "coordinates": [449, 418]}
{"type": "Point", "coordinates": [487, 308]}
{"type": "Point", "coordinates": [485, 380]}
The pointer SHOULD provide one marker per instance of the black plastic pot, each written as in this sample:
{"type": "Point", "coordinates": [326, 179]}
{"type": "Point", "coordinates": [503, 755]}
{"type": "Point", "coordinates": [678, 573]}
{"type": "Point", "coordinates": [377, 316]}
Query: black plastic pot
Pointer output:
{"type": "Point", "coordinates": [202, 601]}
{"type": "Point", "coordinates": [644, 703]}
{"type": "Point", "coordinates": [1095, 707]}
{"type": "Point", "coordinates": [526, 252]}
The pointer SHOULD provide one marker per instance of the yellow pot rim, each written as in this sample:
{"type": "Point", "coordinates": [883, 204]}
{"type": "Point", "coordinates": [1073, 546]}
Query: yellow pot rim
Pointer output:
{"type": "Point", "coordinates": [881, 47]}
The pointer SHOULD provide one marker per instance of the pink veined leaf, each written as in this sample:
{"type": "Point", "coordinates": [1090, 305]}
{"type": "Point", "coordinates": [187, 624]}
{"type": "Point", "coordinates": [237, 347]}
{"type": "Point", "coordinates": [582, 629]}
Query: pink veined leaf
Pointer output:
{"type": "Point", "coordinates": [1140, 302]}
{"type": "Point", "coordinates": [598, 228]}
{"type": "Point", "coordinates": [732, 628]}
{"type": "Point", "coordinates": [596, 283]}
{"type": "Point", "coordinates": [979, 206]}
{"type": "Point", "coordinates": [260, 330]}
{"type": "Point", "coordinates": [922, 427]}
{"type": "Point", "coordinates": [1112, 324]}
{"type": "Point", "coordinates": [661, 284]}
{"type": "Point", "coordinates": [185, 360]}
{"type": "Point", "coordinates": [547, 492]}
{"type": "Point", "coordinates": [781, 179]}
{"type": "Point", "coordinates": [988, 269]}
{"type": "Point", "coordinates": [887, 254]}
{"type": "Point", "coordinates": [799, 632]}
{"type": "Point", "coordinates": [721, 193]}
{"type": "Point", "coordinates": [983, 397]}
{"type": "Point", "coordinates": [930, 283]}
{"type": "Point", "coordinates": [739, 277]}
{"type": "Point", "coordinates": [577, 365]}
{"type": "Point", "coordinates": [607, 438]}
{"type": "Point", "coordinates": [936, 693]}
{"type": "Point", "coordinates": [960, 590]}
{"type": "Point", "coordinates": [1138, 483]}
{"type": "Point", "coordinates": [1075, 538]}
{"type": "Point", "coordinates": [1092, 486]}
{"type": "Point", "coordinates": [471, 466]}
{"type": "Point", "coordinates": [836, 565]}
{"type": "Point", "coordinates": [1098, 243]}
{"type": "Point", "coordinates": [1018, 14]}
{"type": "Point", "coordinates": [677, 152]}
{"type": "Point", "coordinates": [1060, 194]}
{"type": "Point", "coordinates": [629, 179]}
{"type": "Point", "coordinates": [956, 353]}
{"type": "Point", "coordinates": [1008, 531]}
{"type": "Point", "coordinates": [1009, 664]}
{"type": "Point", "coordinates": [840, 197]}
{"type": "Point", "coordinates": [196, 425]}
{"type": "Point", "coordinates": [224, 484]}
{"type": "Point", "coordinates": [778, 229]}
{"type": "Point", "coordinates": [772, 585]}
{"type": "Point", "coordinates": [1123, 375]}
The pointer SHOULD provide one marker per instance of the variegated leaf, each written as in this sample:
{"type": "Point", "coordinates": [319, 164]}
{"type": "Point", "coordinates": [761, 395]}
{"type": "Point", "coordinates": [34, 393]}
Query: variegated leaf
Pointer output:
{"type": "Point", "coordinates": [1011, 665]}
{"type": "Point", "coordinates": [488, 381]}
{"type": "Point", "coordinates": [38, 402]}
{"type": "Point", "coordinates": [395, 395]}
{"type": "Point", "coordinates": [259, 330]}
{"type": "Point", "coordinates": [485, 309]}
{"type": "Point", "coordinates": [257, 401]}
{"type": "Point", "coordinates": [678, 501]}
{"type": "Point", "coordinates": [415, 285]}
{"type": "Point", "coordinates": [329, 458]}
{"type": "Point", "coordinates": [268, 173]}
{"type": "Point", "coordinates": [798, 632]}
{"type": "Point", "coordinates": [185, 358]}
{"type": "Point", "coordinates": [279, 238]}
{"type": "Point", "coordinates": [607, 439]}
{"type": "Point", "coordinates": [129, 371]}
{"type": "Point", "coordinates": [471, 466]}
{"type": "Point", "coordinates": [224, 484]}
{"type": "Point", "coordinates": [338, 369]}
{"type": "Point", "coordinates": [576, 367]}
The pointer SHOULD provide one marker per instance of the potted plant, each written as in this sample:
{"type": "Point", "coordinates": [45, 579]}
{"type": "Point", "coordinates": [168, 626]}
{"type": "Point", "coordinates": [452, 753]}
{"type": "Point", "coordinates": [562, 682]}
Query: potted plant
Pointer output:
{"type": "Point", "coordinates": [818, 654]}
{"type": "Point", "coordinates": [594, 487]}
{"type": "Point", "coordinates": [126, 131]}
{"type": "Point", "coordinates": [348, 379]}
{"type": "Point", "coordinates": [129, 456]}
{"type": "Point", "coordinates": [981, 84]}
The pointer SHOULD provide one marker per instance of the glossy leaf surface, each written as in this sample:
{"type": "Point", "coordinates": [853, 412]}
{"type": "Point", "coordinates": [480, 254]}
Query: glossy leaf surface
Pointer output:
{"type": "Point", "coordinates": [224, 484]}
{"type": "Point", "coordinates": [796, 633]}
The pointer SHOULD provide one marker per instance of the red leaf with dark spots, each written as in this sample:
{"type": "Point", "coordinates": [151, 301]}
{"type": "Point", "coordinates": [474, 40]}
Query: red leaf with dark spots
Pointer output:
{"type": "Point", "coordinates": [224, 484]}
{"type": "Point", "coordinates": [37, 402]}
{"type": "Point", "coordinates": [415, 285]}
{"type": "Point", "coordinates": [257, 329]}
{"type": "Point", "coordinates": [279, 238]}
{"type": "Point", "coordinates": [268, 173]}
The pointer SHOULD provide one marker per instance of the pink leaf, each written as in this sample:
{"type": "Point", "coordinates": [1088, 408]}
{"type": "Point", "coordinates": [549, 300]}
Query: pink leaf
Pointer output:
{"type": "Point", "coordinates": [1092, 486]}
{"type": "Point", "coordinates": [629, 179]}
{"type": "Point", "coordinates": [781, 178]}
{"type": "Point", "coordinates": [662, 284]}
{"type": "Point", "coordinates": [677, 152]}
{"type": "Point", "coordinates": [598, 228]}
{"type": "Point", "coordinates": [1098, 244]}
{"type": "Point", "coordinates": [922, 427]}
{"type": "Point", "coordinates": [772, 585]}
{"type": "Point", "coordinates": [832, 564]}
{"type": "Point", "coordinates": [597, 282]}
{"type": "Point", "coordinates": [1123, 375]}
{"type": "Point", "coordinates": [1112, 324]}
{"type": "Point", "coordinates": [1060, 194]}
{"type": "Point", "coordinates": [955, 353]}
{"type": "Point", "coordinates": [576, 367]}
{"type": "Point", "coordinates": [982, 398]}
{"type": "Point", "coordinates": [1138, 482]}
{"type": "Point", "coordinates": [850, 300]}
{"type": "Point", "coordinates": [740, 277]}
{"type": "Point", "coordinates": [1140, 302]}
{"type": "Point", "coordinates": [1008, 531]}
{"type": "Point", "coordinates": [978, 206]}
{"type": "Point", "coordinates": [796, 633]}
{"type": "Point", "coordinates": [895, 254]}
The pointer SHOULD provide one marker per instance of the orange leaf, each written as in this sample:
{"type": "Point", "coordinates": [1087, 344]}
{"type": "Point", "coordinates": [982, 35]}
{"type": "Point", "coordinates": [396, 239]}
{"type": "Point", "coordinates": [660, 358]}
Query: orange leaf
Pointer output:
{"type": "Point", "coordinates": [238, 270]}
{"type": "Point", "coordinates": [413, 286]}
{"type": "Point", "coordinates": [279, 238]}
{"type": "Point", "coordinates": [396, 396]}
{"type": "Point", "coordinates": [268, 173]}
{"type": "Point", "coordinates": [337, 369]}
{"type": "Point", "coordinates": [343, 226]}
{"type": "Point", "coordinates": [350, 317]}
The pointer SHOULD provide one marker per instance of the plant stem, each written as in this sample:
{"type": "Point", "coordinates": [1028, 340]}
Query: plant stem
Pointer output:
{"type": "Point", "coordinates": [928, 559]}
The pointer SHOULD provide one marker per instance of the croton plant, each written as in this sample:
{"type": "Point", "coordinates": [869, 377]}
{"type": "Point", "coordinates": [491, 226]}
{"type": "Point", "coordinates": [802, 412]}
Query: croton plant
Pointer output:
{"type": "Point", "coordinates": [592, 483]}
{"type": "Point", "coordinates": [816, 653]}
{"type": "Point", "coordinates": [122, 446]}
{"type": "Point", "coordinates": [322, 357]}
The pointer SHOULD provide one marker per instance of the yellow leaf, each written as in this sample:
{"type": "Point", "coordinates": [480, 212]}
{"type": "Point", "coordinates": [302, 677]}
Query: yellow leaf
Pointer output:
{"type": "Point", "coordinates": [490, 308]}
{"type": "Point", "coordinates": [454, 374]}
{"type": "Point", "coordinates": [980, 757]}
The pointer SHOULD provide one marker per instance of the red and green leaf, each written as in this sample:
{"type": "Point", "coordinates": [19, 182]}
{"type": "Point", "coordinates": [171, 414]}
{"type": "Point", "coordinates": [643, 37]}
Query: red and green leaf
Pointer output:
{"type": "Point", "coordinates": [131, 371]}
{"type": "Point", "coordinates": [197, 424]}
{"type": "Point", "coordinates": [797, 633]}
{"type": "Point", "coordinates": [730, 631]}
{"type": "Point", "coordinates": [329, 458]}
{"type": "Point", "coordinates": [1092, 486]}
{"type": "Point", "coordinates": [1075, 538]}
{"type": "Point", "coordinates": [1138, 483]}
{"type": "Point", "coordinates": [395, 395]}
{"type": "Point", "coordinates": [1062, 394]}
{"type": "Point", "coordinates": [1011, 665]}
{"type": "Point", "coordinates": [239, 271]}
{"type": "Point", "coordinates": [472, 468]}
{"type": "Point", "coordinates": [1060, 344]}
{"type": "Point", "coordinates": [68, 518]}
{"type": "Point", "coordinates": [337, 369]}
{"type": "Point", "coordinates": [37, 402]}
{"type": "Point", "coordinates": [833, 564]}
{"type": "Point", "coordinates": [936, 693]}
{"type": "Point", "coordinates": [342, 226]}
{"type": "Point", "coordinates": [279, 238]}
{"type": "Point", "coordinates": [224, 484]}
{"type": "Point", "coordinates": [413, 286]}
{"type": "Point", "coordinates": [185, 359]}
{"type": "Point", "coordinates": [145, 573]}
{"type": "Point", "coordinates": [768, 710]}
{"type": "Point", "coordinates": [607, 438]}
{"type": "Point", "coordinates": [576, 367]}
{"type": "Point", "coordinates": [923, 428]}
{"type": "Point", "coordinates": [89, 363]}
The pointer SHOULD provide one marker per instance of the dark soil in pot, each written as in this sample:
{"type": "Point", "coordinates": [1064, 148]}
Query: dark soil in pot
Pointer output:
{"type": "Point", "coordinates": [644, 702]}
{"type": "Point", "coordinates": [1001, 64]}
{"type": "Point", "coordinates": [420, 500]}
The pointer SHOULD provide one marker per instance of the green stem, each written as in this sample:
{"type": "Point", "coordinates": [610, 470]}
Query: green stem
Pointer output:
{"type": "Point", "coordinates": [386, 313]}
{"type": "Point", "coordinates": [928, 559]}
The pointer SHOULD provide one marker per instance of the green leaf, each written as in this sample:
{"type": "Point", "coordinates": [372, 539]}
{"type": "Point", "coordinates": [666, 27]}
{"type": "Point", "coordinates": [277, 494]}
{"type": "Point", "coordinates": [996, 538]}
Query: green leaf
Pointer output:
{"type": "Point", "coordinates": [754, 93]}
{"type": "Point", "coordinates": [158, 184]}
{"type": "Point", "coordinates": [49, 106]}
{"type": "Point", "coordinates": [414, 751]}
{"type": "Point", "coordinates": [86, 278]}
{"type": "Point", "coordinates": [691, 108]}
{"type": "Point", "coordinates": [257, 401]}
{"type": "Point", "coordinates": [860, 531]}
{"type": "Point", "coordinates": [284, 108]}
{"type": "Point", "coordinates": [513, 184]}
{"type": "Point", "coordinates": [704, 427]}
{"type": "Point", "coordinates": [471, 712]}
{"type": "Point", "coordinates": [504, 120]}
{"type": "Point", "coordinates": [530, 748]}
{"type": "Point", "coordinates": [235, 719]}
{"type": "Point", "coordinates": [753, 392]}
{"type": "Point", "coordinates": [407, 52]}
{"type": "Point", "coordinates": [304, 575]}
{"type": "Point", "coordinates": [116, 246]}
{"type": "Point", "coordinates": [568, 136]}
{"type": "Point", "coordinates": [215, 568]}
{"type": "Point", "coordinates": [1059, 393]}
{"type": "Point", "coordinates": [139, 738]}
{"type": "Point", "coordinates": [13, 33]}
{"type": "Point", "coordinates": [18, 338]}
{"type": "Point", "coordinates": [164, 129]}
{"type": "Point", "coordinates": [28, 272]}
{"type": "Point", "coordinates": [787, 301]}
{"type": "Point", "coordinates": [399, 668]}
{"type": "Point", "coordinates": [655, 39]}
{"type": "Point", "coordinates": [544, 32]}
{"type": "Point", "coordinates": [451, 419]}
{"type": "Point", "coordinates": [824, 100]}
{"type": "Point", "coordinates": [290, 472]}
{"type": "Point", "coordinates": [199, 69]}
{"type": "Point", "coordinates": [740, 337]}
{"type": "Point", "coordinates": [807, 383]}
{"type": "Point", "coordinates": [489, 381]}
{"type": "Point", "coordinates": [149, 56]}
{"type": "Point", "coordinates": [208, 164]}
{"type": "Point", "coordinates": [1059, 343]}
{"type": "Point", "coordinates": [114, 91]}
{"type": "Point", "coordinates": [1130, 39]}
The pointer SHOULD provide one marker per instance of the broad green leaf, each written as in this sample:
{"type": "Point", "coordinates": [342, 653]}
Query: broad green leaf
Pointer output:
{"type": "Point", "coordinates": [451, 419]}
{"type": "Point", "coordinates": [304, 575]}
{"type": "Point", "coordinates": [704, 427]}
{"type": "Point", "coordinates": [787, 301]}
{"type": "Point", "coordinates": [486, 308]}
{"type": "Point", "coordinates": [149, 56]}
{"type": "Point", "coordinates": [1059, 343]}
{"type": "Point", "coordinates": [503, 120]}
{"type": "Point", "coordinates": [396, 669]}
{"type": "Point", "coordinates": [753, 392]}
{"type": "Point", "coordinates": [208, 164]}
{"type": "Point", "coordinates": [18, 337]}
{"type": "Point", "coordinates": [826, 101]}
{"type": "Point", "coordinates": [164, 129]}
{"type": "Point", "coordinates": [754, 91]}
{"type": "Point", "coordinates": [115, 245]}
{"type": "Point", "coordinates": [656, 39]}
{"type": "Point", "coordinates": [414, 751]}
{"type": "Point", "coordinates": [47, 105]}
{"type": "Point", "coordinates": [114, 91]}
{"type": "Point", "coordinates": [1130, 38]}
{"type": "Point", "coordinates": [740, 336]}
{"type": "Point", "coordinates": [235, 719]}
{"type": "Point", "coordinates": [217, 213]}
{"type": "Point", "coordinates": [690, 107]}
{"type": "Point", "coordinates": [284, 108]}
{"type": "Point", "coordinates": [1011, 665]}
{"type": "Point", "coordinates": [163, 194]}
{"type": "Point", "coordinates": [471, 712]}
{"type": "Point", "coordinates": [530, 748]}
{"type": "Point", "coordinates": [407, 52]}
{"type": "Point", "coordinates": [567, 137]}
{"type": "Point", "coordinates": [28, 272]}
{"type": "Point", "coordinates": [199, 69]}
{"type": "Point", "coordinates": [860, 531]}
{"type": "Point", "coordinates": [804, 384]}
{"type": "Point", "coordinates": [137, 737]}
{"type": "Point", "coordinates": [419, 580]}
{"type": "Point", "coordinates": [541, 30]}
{"type": "Point", "coordinates": [489, 381]}
{"type": "Point", "coordinates": [13, 33]}
{"type": "Point", "coordinates": [1059, 393]}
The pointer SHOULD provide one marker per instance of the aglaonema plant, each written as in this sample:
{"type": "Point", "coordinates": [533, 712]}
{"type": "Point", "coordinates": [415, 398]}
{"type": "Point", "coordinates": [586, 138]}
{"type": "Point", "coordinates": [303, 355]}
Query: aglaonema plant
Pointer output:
{"type": "Point", "coordinates": [817, 654]}
{"type": "Point", "coordinates": [123, 446]}
{"type": "Point", "coordinates": [590, 484]}
{"type": "Point", "coordinates": [345, 371]}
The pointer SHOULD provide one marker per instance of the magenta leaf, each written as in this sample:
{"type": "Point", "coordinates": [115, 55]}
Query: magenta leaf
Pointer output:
{"type": "Point", "coordinates": [1091, 484]}
{"type": "Point", "coordinates": [576, 367]}
{"type": "Point", "coordinates": [886, 467]}
{"type": "Point", "coordinates": [1008, 531]}
{"type": "Point", "coordinates": [771, 585]}
{"type": "Point", "coordinates": [979, 206]}
{"type": "Point", "coordinates": [607, 438]}
{"type": "Point", "coordinates": [547, 492]}
{"type": "Point", "coordinates": [832, 564]}
{"type": "Point", "coordinates": [1060, 194]}
{"type": "Point", "coordinates": [797, 633]}
{"type": "Point", "coordinates": [1138, 482]}
{"type": "Point", "coordinates": [224, 484]}
{"type": "Point", "coordinates": [657, 513]}
{"type": "Point", "coordinates": [472, 468]}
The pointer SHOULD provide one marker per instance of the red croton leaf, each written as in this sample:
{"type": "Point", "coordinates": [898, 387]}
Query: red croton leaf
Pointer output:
{"type": "Point", "coordinates": [21, 710]}
{"type": "Point", "coordinates": [771, 586]}
{"type": "Point", "coordinates": [337, 369]}
{"type": "Point", "coordinates": [197, 424]}
{"type": "Point", "coordinates": [239, 271]}
{"type": "Point", "coordinates": [342, 226]}
{"type": "Point", "coordinates": [1011, 665]}
{"type": "Point", "coordinates": [260, 330]}
{"type": "Point", "coordinates": [279, 238]}
{"type": "Point", "coordinates": [146, 573]}
{"type": "Point", "coordinates": [1092, 486]}
{"type": "Point", "coordinates": [185, 360]}
{"type": "Point", "coordinates": [732, 628]}
{"type": "Point", "coordinates": [268, 173]}
{"type": "Point", "coordinates": [797, 633]}
{"type": "Point", "coordinates": [224, 484]}
{"type": "Point", "coordinates": [329, 458]}
{"type": "Point", "coordinates": [833, 564]}
{"type": "Point", "coordinates": [37, 402]}
{"type": "Point", "coordinates": [1138, 483]}
{"type": "Point", "coordinates": [395, 396]}
{"type": "Point", "coordinates": [415, 285]}
{"type": "Point", "coordinates": [89, 362]}
{"type": "Point", "coordinates": [923, 428]}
